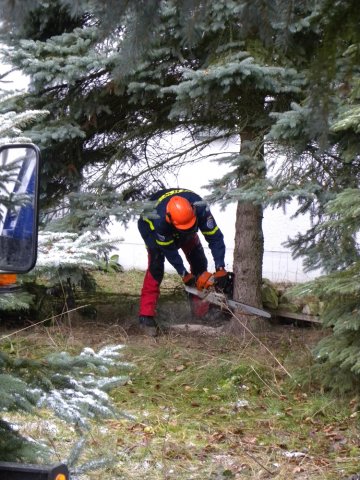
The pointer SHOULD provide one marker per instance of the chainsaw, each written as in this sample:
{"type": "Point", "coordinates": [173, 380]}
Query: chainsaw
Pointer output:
{"type": "Point", "coordinates": [221, 298]}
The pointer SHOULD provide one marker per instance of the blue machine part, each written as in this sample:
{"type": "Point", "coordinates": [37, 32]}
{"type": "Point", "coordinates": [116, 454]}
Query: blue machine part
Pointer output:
{"type": "Point", "coordinates": [19, 221]}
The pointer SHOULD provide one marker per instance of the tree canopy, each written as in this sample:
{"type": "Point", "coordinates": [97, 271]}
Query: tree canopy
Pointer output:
{"type": "Point", "coordinates": [104, 112]}
{"type": "Point", "coordinates": [117, 77]}
{"type": "Point", "coordinates": [107, 119]}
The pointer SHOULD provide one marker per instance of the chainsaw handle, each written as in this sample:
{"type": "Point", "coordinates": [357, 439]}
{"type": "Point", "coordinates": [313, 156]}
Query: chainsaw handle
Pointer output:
{"type": "Point", "coordinates": [205, 281]}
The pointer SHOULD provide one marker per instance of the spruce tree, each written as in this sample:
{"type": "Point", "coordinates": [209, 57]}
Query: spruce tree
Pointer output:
{"type": "Point", "coordinates": [337, 355]}
{"type": "Point", "coordinates": [248, 60]}
{"type": "Point", "coordinates": [107, 118]}
{"type": "Point", "coordinates": [321, 137]}
{"type": "Point", "coordinates": [74, 387]}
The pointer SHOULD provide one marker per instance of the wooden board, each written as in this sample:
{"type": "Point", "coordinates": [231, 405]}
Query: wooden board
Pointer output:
{"type": "Point", "coordinates": [295, 316]}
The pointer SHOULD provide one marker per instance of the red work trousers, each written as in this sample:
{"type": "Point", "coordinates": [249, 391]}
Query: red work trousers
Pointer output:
{"type": "Point", "coordinates": [150, 292]}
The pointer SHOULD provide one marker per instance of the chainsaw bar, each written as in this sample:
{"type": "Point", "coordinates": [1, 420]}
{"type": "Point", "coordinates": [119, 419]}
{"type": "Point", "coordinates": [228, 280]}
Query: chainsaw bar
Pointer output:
{"type": "Point", "coordinates": [220, 299]}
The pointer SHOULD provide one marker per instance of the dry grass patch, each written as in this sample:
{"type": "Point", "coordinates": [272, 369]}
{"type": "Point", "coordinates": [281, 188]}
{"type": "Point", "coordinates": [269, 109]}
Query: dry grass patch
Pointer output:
{"type": "Point", "coordinates": [203, 407]}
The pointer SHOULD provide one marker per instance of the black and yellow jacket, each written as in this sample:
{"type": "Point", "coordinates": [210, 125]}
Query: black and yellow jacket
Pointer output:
{"type": "Point", "coordinates": [169, 240]}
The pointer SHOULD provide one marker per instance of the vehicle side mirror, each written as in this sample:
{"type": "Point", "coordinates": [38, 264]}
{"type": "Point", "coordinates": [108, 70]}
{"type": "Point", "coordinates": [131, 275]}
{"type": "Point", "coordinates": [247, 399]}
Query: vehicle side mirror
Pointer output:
{"type": "Point", "coordinates": [19, 187]}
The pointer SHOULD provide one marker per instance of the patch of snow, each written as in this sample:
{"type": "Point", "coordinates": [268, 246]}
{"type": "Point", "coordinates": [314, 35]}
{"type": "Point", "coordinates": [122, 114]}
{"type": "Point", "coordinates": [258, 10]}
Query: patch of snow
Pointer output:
{"type": "Point", "coordinates": [240, 403]}
{"type": "Point", "coordinates": [294, 454]}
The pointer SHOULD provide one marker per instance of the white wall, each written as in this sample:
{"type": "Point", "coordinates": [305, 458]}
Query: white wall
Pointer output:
{"type": "Point", "coordinates": [14, 80]}
{"type": "Point", "coordinates": [277, 226]}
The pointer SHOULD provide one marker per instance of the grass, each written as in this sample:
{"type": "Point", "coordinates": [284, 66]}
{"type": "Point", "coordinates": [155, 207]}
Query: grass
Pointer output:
{"type": "Point", "coordinates": [204, 407]}
{"type": "Point", "coordinates": [217, 416]}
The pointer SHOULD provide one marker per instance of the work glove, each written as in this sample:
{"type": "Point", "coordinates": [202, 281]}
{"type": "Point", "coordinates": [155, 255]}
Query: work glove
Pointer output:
{"type": "Point", "coordinates": [220, 278]}
{"type": "Point", "coordinates": [204, 281]}
{"type": "Point", "coordinates": [189, 280]}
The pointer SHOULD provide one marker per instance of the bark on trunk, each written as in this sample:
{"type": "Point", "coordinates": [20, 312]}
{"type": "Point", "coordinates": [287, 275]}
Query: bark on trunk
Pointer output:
{"type": "Point", "coordinates": [248, 258]}
{"type": "Point", "coordinates": [247, 268]}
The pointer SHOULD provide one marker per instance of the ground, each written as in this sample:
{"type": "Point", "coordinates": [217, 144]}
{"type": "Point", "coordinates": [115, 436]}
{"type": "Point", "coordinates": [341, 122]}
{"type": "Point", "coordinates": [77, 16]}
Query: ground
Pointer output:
{"type": "Point", "coordinates": [201, 406]}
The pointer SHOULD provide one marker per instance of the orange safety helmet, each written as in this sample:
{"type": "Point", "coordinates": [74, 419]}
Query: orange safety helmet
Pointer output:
{"type": "Point", "coordinates": [180, 213]}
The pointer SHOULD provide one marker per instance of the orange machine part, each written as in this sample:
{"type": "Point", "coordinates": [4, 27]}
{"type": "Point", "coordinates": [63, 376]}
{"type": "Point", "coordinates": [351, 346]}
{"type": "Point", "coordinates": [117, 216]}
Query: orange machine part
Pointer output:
{"type": "Point", "coordinates": [60, 476]}
{"type": "Point", "coordinates": [7, 278]}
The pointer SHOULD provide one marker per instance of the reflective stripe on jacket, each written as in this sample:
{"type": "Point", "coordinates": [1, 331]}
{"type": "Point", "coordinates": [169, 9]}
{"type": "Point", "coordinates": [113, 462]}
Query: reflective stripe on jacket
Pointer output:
{"type": "Point", "coordinates": [170, 239]}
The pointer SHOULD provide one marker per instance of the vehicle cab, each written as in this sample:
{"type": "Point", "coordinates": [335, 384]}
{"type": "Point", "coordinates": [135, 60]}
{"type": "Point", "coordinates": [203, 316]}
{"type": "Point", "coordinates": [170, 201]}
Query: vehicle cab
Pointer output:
{"type": "Point", "coordinates": [19, 187]}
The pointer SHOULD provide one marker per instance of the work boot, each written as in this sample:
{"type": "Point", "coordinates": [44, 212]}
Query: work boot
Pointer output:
{"type": "Point", "coordinates": [148, 325]}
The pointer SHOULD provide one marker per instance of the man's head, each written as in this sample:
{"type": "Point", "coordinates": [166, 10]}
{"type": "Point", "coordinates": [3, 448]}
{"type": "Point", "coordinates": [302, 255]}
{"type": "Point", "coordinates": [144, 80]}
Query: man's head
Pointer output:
{"type": "Point", "coordinates": [181, 214]}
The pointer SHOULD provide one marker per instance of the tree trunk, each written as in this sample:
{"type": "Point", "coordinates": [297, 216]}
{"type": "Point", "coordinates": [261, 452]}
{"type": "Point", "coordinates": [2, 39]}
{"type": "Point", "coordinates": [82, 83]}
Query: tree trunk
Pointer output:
{"type": "Point", "coordinates": [247, 268]}
{"type": "Point", "coordinates": [248, 257]}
